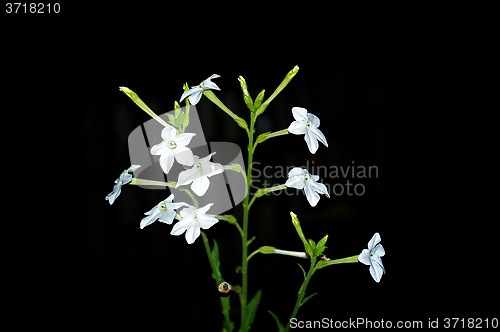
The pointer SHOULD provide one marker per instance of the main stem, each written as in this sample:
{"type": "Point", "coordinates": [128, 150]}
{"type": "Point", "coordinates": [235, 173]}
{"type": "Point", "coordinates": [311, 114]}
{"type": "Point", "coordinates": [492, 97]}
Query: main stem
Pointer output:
{"type": "Point", "coordinates": [246, 210]}
{"type": "Point", "coordinates": [302, 293]}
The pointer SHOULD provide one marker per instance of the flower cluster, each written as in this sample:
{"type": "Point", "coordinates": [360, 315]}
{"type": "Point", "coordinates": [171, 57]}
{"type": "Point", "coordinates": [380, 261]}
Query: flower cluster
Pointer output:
{"type": "Point", "coordinates": [174, 147]}
{"type": "Point", "coordinates": [191, 219]}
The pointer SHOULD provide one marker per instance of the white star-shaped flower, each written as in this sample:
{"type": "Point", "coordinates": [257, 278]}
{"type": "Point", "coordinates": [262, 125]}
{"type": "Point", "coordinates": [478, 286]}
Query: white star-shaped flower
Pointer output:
{"type": "Point", "coordinates": [199, 173]}
{"type": "Point", "coordinates": [307, 124]}
{"type": "Point", "coordinates": [124, 178]}
{"type": "Point", "coordinates": [164, 212]}
{"type": "Point", "coordinates": [173, 146]}
{"type": "Point", "coordinates": [192, 220]}
{"type": "Point", "coordinates": [371, 256]}
{"type": "Point", "coordinates": [301, 179]}
{"type": "Point", "coordinates": [196, 92]}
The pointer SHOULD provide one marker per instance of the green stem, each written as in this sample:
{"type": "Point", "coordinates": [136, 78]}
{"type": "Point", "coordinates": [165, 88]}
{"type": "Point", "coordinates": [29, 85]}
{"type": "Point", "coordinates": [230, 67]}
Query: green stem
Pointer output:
{"type": "Point", "coordinates": [302, 292]}
{"type": "Point", "coordinates": [246, 210]}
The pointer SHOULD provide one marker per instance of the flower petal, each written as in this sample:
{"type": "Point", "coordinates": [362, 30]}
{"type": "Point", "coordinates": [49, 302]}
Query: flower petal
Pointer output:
{"type": "Point", "coordinates": [167, 216]}
{"type": "Point", "coordinates": [374, 241]}
{"type": "Point", "coordinates": [112, 196]}
{"type": "Point", "coordinates": [181, 226]}
{"type": "Point", "coordinates": [208, 84]}
{"type": "Point", "coordinates": [312, 196]}
{"type": "Point", "coordinates": [205, 209]}
{"type": "Point", "coordinates": [200, 185]}
{"type": "Point", "coordinates": [187, 176]}
{"type": "Point", "coordinates": [319, 187]}
{"type": "Point", "coordinates": [378, 251]}
{"type": "Point", "coordinates": [206, 222]}
{"type": "Point", "coordinates": [314, 119]}
{"type": "Point", "coordinates": [176, 205]}
{"type": "Point", "coordinates": [189, 93]}
{"type": "Point", "coordinates": [297, 128]}
{"type": "Point", "coordinates": [184, 156]}
{"type": "Point", "coordinates": [170, 198]}
{"type": "Point", "coordinates": [299, 113]}
{"type": "Point", "coordinates": [295, 182]}
{"type": "Point", "coordinates": [297, 171]}
{"type": "Point", "coordinates": [376, 271]}
{"type": "Point", "coordinates": [183, 139]}
{"type": "Point", "coordinates": [192, 233]}
{"type": "Point", "coordinates": [166, 162]}
{"type": "Point", "coordinates": [160, 148]}
{"type": "Point", "coordinates": [168, 133]}
{"type": "Point", "coordinates": [149, 219]}
{"type": "Point", "coordinates": [318, 135]}
{"type": "Point", "coordinates": [195, 97]}
{"type": "Point", "coordinates": [364, 257]}
{"type": "Point", "coordinates": [312, 142]}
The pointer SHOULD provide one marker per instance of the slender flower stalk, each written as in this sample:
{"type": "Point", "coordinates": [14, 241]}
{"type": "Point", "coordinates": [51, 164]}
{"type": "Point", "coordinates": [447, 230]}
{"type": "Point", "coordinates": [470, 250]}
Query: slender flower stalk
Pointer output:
{"type": "Point", "coordinates": [135, 98]}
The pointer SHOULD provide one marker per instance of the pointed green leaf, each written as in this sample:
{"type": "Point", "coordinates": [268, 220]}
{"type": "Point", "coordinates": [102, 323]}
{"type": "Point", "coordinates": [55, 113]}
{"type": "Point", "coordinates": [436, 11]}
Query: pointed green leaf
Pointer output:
{"type": "Point", "coordinates": [312, 244]}
{"type": "Point", "coordinates": [215, 256]}
{"type": "Point", "coordinates": [252, 308]}
{"type": "Point", "coordinates": [280, 326]}
{"type": "Point", "coordinates": [322, 242]}
{"type": "Point", "coordinates": [259, 99]}
{"type": "Point", "coordinates": [251, 240]}
{"type": "Point", "coordinates": [303, 271]}
{"type": "Point", "coordinates": [307, 299]}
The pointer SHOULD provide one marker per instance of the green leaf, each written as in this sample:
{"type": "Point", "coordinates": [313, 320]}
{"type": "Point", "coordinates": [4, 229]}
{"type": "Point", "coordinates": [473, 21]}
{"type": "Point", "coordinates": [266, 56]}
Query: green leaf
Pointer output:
{"type": "Point", "coordinates": [215, 256]}
{"type": "Point", "coordinates": [251, 240]}
{"type": "Point", "coordinates": [312, 244]}
{"type": "Point", "coordinates": [307, 299]}
{"type": "Point", "coordinates": [322, 242]}
{"type": "Point", "coordinates": [252, 308]}
{"type": "Point", "coordinates": [280, 326]}
{"type": "Point", "coordinates": [259, 99]}
{"type": "Point", "coordinates": [303, 271]}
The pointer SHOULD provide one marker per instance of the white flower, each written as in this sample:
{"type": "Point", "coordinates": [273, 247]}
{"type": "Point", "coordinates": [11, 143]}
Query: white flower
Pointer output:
{"type": "Point", "coordinates": [195, 93]}
{"type": "Point", "coordinates": [192, 220]}
{"type": "Point", "coordinates": [124, 178]}
{"type": "Point", "coordinates": [371, 256]}
{"type": "Point", "coordinates": [307, 124]}
{"type": "Point", "coordinates": [301, 179]}
{"type": "Point", "coordinates": [164, 212]}
{"type": "Point", "coordinates": [199, 174]}
{"type": "Point", "coordinates": [173, 145]}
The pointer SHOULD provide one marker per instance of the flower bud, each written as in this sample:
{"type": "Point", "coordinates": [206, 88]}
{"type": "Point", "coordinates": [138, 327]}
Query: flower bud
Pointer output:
{"type": "Point", "coordinates": [259, 99]}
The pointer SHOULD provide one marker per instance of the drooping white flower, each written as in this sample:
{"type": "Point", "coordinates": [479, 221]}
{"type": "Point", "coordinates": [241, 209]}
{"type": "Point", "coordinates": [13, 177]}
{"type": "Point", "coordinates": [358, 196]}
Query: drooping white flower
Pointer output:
{"type": "Point", "coordinates": [307, 124]}
{"type": "Point", "coordinates": [196, 92]}
{"type": "Point", "coordinates": [199, 173]}
{"type": "Point", "coordinates": [173, 146]}
{"type": "Point", "coordinates": [125, 177]}
{"type": "Point", "coordinates": [192, 220]}
{"type": "Point", "coordinates": [301, 179]}
{"type": "Point", "coordinates": [371, 256]}
{"type": "Point", "coordinates": [164, 212]}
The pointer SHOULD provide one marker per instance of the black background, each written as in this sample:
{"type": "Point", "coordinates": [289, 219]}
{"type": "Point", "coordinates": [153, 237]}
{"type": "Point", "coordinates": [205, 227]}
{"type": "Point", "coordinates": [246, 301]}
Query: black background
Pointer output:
{"type": "Point", "coordinates": [381, 85]}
